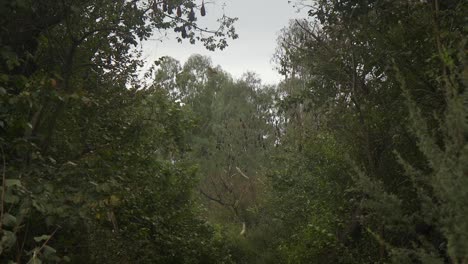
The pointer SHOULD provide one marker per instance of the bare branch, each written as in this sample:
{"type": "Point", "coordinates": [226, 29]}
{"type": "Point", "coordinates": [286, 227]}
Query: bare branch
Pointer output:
{"type": "Point", "coordinates": [241, 173]}
{"type": "Point", "coordinates": [219, 201]}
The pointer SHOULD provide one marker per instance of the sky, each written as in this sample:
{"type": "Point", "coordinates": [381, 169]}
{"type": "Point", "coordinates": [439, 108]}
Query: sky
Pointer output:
{"type": "Point", "coordinates": [259, 24]}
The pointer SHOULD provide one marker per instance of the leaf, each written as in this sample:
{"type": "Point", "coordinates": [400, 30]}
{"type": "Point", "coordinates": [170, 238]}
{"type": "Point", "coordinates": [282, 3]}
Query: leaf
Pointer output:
{"type": "Point", "coordinates": [4, 77]}
{"type": "Point", "coordinates": [41, 238]}
{"type": "Point", "coordinates": [38, 206]}
{"type": "Point", "coordinates": [49, 251]}
{"type": "Point", "coordinates": [103, 187]}
{"type": "Point", "coordinates": [34, 260]}
{"type": "Point", "coordinates": [8, 220]}
{"type": "Point", "coordinates": [114, 200]}
{"type": "Point", "coordinates": [8, 239]}
{"type": "Point", "coordinates": [22, 3]}
{"type": "Point", "coordinates": [50, 220]}
{"type": "Point", "coordinates": [11, 198]}
{"type": "Point", "coordinates": [75, 9]}
{"type": "Point", "coordinates": [71, 163]}
{"type": "Point", "coordinates": [74, 96]}
{"type": "Point", "coordinates": [12, 182]}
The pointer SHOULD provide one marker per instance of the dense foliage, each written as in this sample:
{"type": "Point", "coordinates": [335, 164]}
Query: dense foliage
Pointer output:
{"type": "Point", "coordinates": [358, 156]}
{"type": "Point", "coordinates": [91, 159]}
{"type": "Point", "coordinates": [376, 109]}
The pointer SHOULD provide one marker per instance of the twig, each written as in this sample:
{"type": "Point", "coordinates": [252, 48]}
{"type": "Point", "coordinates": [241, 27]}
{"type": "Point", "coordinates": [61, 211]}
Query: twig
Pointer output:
{"type": "Point", "coordinates": [43, 245]}
{"type": "Point", "coordinates": [18, 257]}
{"type": "Point", "coordinates": [219, 201]}
{"type": "Point", "coordinates": [51, 235]}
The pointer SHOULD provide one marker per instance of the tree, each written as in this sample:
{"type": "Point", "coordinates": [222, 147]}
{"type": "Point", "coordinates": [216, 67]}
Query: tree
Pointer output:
{"type": "Point", "coordinates": [346, 83]}
{"type": "Point", "coordinates": [230, 144]}
{"type": "Point", "coordinates": [71, 112]}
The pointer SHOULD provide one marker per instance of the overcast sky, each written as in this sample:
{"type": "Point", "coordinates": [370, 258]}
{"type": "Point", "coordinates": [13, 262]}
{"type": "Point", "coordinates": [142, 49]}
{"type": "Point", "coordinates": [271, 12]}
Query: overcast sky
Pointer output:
{"type": "Point", "coordinates": [258, 26]}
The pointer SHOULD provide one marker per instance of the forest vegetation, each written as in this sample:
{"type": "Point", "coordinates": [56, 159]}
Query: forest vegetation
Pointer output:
{"type": "Point", "coordinates": [359, 155]}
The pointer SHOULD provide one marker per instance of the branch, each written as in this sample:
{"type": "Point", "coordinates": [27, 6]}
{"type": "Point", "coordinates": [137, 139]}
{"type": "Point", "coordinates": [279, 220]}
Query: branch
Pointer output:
{"type": "Point", "coordinates": [192, 24]}
{"type": "Point", "coordinates": [89, 33]}
{"type": "Point", "coordinates": [214, 199]}
{"type": "Point", "coordinates": [225, 184]}
{"type": "Point", "coordinates": [241, 173]}
{"type": "Point", "coordinates": [51, 235]}
{"type": "Point", "coordinates": [34, 257]}
{"type": "Point", "coordinates": [320, 41]}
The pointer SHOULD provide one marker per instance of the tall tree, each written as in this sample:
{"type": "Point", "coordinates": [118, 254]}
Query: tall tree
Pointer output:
{"type": "Point", "coordinates": [344, 72]}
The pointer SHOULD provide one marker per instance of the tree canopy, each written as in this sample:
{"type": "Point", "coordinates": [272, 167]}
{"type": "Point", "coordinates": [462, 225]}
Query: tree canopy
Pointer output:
{"type": "Point", "coordinates": [359, 155]}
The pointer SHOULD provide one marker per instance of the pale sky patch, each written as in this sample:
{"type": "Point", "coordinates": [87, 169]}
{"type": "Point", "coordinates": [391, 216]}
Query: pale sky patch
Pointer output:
{"type": "Point", "coordinates": [259, 24]}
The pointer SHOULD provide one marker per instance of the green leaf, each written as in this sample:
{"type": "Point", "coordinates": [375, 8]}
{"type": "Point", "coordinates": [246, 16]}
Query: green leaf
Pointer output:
{"type": "Point", "coordinates": [8, 220]}
{"type": "Point", "coordinates": [11, 198]}
{"type": "Point", "coordinates": [41, 238]}
{"type": "Point", "coordinates": [75, 9]}
{"type": "Point", "coordinates": [35, 260]}
{"type": "Point", "coordinates": [52, 160]}
{"type": "Point", "coordinates": [4, 77]}
{"type": "Point", "coordinates": [71, 163]}
{"type": "Point", "coordinates": [12, 182]}
{"type": "Point", "coordinates": [49, 251]}
{"type": "Point", "coordinates": [50, 220]}
{"type": "Point", "coordinates": [22, 3]}
{"type": "Point", "coordinates": [8, 239]}
{"type": "Point", "coordinates": [40, 207]}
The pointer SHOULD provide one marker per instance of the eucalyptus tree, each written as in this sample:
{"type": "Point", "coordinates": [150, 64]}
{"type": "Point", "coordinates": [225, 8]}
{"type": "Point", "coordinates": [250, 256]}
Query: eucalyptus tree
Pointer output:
{"type": "Point", "coordinates": [232, 150]}
{"type": "Point", "coordinates": [233, 133]}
